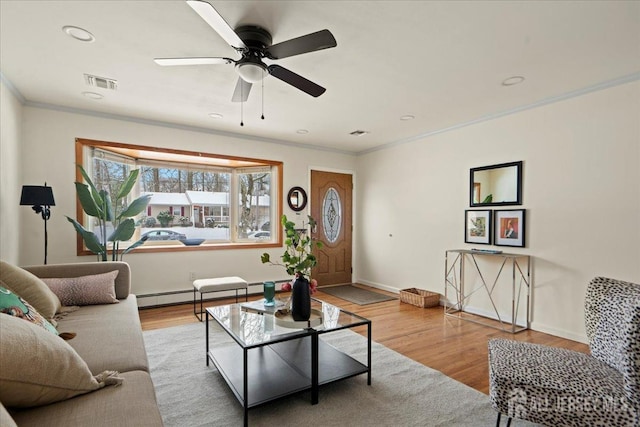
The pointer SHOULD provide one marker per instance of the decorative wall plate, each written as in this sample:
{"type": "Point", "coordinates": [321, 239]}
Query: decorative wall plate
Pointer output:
{"type": "Point", "coordinates": [297, 199]}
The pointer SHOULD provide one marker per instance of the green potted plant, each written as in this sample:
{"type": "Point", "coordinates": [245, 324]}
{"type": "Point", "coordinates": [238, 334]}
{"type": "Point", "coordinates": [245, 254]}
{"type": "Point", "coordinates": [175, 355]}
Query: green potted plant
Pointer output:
{"type": "Point", "coordinates": [298, 260]}
{"type": "Point", "coordinates": [165, 218]}
{"type": "Point", "coordinates": [97, 204]}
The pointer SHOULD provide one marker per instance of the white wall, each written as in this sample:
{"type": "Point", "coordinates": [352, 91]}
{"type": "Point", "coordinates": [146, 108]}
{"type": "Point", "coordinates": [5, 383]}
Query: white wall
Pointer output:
{"type": "Point", "coordinates": [581, 189]}
{"type": "Point", "coordinates": [581, 192]}
{"type": "Point", "coordinates": [48, 147]}
{"type": "Point", "coordinates": [10, 182]}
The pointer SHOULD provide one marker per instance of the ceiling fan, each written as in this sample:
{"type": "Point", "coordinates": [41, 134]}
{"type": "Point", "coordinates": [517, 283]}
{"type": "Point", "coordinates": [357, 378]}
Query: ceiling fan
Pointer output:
{"type": "Point", "coordinates": [254, 44]}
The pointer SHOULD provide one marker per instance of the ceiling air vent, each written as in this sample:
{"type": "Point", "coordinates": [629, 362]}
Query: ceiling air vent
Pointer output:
{"type": "Point", "coordinates": [101, 82]}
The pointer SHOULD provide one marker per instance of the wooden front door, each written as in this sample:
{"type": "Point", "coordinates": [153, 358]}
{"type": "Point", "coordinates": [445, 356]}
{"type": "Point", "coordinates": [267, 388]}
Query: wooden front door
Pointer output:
{"type": "Point", "coordinates": [331, 206]}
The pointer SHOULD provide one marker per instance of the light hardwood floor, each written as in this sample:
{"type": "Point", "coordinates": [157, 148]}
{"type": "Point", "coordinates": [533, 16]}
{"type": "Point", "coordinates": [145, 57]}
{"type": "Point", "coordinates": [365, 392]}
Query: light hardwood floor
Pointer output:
{"type": "Point", "coordinates": [455, 347]}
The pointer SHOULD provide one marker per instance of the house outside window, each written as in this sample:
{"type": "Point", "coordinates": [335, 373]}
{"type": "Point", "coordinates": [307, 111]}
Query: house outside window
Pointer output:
{"type": "Point", "coordinates": [197, 199]}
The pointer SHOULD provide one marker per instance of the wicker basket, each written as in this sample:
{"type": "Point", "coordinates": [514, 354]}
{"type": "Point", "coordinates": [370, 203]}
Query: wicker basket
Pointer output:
{"type": "Point", "coordinates": [419, 297]}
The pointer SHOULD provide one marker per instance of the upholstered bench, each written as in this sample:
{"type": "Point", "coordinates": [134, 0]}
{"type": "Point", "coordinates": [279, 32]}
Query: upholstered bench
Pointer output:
{"type": "Point", "coordinates": [218, 284]}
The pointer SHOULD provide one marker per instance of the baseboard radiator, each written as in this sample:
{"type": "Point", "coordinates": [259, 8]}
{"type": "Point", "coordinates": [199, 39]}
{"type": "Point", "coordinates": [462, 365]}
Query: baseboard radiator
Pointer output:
{"type": "Point", "coordinates": [182, 296]}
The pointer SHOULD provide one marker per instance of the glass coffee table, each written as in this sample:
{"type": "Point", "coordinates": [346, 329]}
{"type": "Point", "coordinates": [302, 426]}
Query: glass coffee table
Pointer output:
{"type": "Point", "coordinates": [270, 361]}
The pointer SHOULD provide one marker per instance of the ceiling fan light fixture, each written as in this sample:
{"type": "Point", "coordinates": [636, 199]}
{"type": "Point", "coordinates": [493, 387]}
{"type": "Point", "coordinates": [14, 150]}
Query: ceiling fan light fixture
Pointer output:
{"type": "Point", "coordinates": [251, 72]}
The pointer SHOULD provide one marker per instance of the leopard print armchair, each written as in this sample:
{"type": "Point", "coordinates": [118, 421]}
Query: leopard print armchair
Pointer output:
{"type": "Point", "coordinates": [560, 387]}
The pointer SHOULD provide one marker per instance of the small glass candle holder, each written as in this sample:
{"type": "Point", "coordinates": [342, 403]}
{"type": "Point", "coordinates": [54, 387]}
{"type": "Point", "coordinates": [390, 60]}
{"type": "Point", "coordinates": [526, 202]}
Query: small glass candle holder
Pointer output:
{"type": "Point", "coordinates": [269, 293]}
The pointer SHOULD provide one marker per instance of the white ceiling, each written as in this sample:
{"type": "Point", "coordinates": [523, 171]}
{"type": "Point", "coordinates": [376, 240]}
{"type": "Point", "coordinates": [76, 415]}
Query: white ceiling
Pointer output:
{"type": "Point", "coordinates": [440, 61]}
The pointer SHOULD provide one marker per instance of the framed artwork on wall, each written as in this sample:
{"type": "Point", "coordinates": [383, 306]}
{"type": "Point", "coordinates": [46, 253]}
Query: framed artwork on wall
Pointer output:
{"type": "Point", "coordinates": [477, 226]}
{"type": "Point", "coordinates": [509, 228]}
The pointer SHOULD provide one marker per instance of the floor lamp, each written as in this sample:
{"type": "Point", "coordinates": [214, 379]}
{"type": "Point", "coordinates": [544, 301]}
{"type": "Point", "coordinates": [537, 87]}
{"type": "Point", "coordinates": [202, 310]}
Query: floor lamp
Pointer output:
{"type": "Point", "coordinates": [40, 198]}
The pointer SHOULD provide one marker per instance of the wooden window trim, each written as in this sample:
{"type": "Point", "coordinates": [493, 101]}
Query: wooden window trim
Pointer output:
{"type": "Point", "coordinates": [81, 143]}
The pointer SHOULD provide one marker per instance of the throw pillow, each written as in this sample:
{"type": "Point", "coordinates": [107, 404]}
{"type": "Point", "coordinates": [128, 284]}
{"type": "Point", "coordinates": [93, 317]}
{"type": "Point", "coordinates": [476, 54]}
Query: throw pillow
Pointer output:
{"type": "Point", "coordinates": [13, 305]}
{"type": "Point", "coordinates": [39, 368]}
{"type": "Point", "coordinates": [85, 290]}
{"type": "Point", "coordinates": [31, 288]}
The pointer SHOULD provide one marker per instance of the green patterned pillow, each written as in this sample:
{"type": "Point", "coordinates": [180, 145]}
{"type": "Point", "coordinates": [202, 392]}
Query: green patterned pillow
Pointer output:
{"type": "Point", "coordinates": [13, 305]}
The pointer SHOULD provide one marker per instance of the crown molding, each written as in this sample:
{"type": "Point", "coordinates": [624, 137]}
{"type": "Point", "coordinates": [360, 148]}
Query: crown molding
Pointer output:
{"type": "Point", "coordinates": [573, 94]}
{"type": "Point", "coordinates": [14, 90]}
{"type": "Point", "coordinates": [178, 126]}
{"type": "Point", "coordinates": [568, 95]}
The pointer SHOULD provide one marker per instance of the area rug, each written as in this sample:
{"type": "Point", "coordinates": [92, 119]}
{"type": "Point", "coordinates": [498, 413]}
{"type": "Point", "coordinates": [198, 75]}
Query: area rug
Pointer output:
{"type": "Point", "coordinates": [356, 295]}
{"type": "Point", "coordinates": [402, 393]}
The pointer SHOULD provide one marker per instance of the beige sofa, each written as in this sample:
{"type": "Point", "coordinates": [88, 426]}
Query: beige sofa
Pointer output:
{"type": "Point", "coordinates": [109, 337]}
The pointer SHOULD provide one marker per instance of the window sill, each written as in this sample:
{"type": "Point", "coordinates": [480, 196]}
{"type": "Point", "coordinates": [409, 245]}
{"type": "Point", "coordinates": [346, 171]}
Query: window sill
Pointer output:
{"type": "Point", "coordinates": [176, 246]}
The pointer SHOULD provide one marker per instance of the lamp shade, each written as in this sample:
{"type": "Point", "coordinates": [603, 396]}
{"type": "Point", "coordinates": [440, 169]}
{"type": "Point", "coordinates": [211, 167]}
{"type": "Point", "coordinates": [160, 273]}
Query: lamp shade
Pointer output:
{"type": "Point", "coordinates": [251, 72]}
{"type": "Point", "coordinates": [37, 195]}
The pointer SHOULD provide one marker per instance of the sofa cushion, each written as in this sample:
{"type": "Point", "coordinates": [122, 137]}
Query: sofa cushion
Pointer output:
{"type": "Point", "coordinates": [85, 290]}
{"type": "Point", "coordinates": [31, 288]}
{"type": "Point", "coordinates": [13, 305]}
{"type": "Point", "coordinates": [133, 404]}
{"type": "Point", "coordinates": [39, 368]}
{"type": "Point", "coordinates": [108, 336]}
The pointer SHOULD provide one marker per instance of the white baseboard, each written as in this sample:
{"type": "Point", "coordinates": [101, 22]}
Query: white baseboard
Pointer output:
{"type": "Point", "coordinates": [506, 317]}
{"type": "Point", "coordinates": [182, 296]}
{"type": "Point", "coordinates": [540, 327]}
{"type": "Point", "coordinates": [536, 326]}
{"type": "Point", "coordinates": [379, 286]}
{"type": "Point", "coordinates": [186, 296]}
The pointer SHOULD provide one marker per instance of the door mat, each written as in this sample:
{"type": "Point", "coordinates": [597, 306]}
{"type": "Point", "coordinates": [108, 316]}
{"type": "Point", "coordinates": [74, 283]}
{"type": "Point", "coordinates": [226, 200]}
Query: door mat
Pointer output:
{"type": "Point", "coordinates": [356, 295]}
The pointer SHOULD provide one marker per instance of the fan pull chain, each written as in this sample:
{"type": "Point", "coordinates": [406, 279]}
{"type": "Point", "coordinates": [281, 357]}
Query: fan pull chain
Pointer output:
{"type": "Point", "coordinates": [241, 103]}
{"type": "Point", "coordinates": [262, 116]}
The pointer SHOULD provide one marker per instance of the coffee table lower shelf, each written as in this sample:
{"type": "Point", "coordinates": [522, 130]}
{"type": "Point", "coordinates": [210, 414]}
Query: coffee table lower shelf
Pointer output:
{"type": "Point", "coordinates": [281, 369]}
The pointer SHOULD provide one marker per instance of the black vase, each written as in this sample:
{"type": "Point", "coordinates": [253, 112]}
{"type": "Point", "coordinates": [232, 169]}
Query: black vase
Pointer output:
{"type": "Point", "coordinates": [301, 300]}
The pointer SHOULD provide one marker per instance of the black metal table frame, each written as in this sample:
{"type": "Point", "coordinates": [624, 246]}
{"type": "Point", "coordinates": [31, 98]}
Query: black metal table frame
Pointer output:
{"type": "Point", "coordinates": [303, 333]}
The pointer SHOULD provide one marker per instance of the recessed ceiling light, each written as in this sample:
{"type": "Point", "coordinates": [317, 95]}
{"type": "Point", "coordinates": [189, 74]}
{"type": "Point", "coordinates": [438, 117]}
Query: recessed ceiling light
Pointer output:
{"type": "Point", "coordinates": [79, 33]}
{"type": "Point", "coordinates": [407, 117]}
{"type": "Point", "coordinates": [511, 81]}
{"type": "Point", "coordinates": [302, 131]}
{"type": "Point", "coordinates": [358, 132]}
{"type": "Point", "coordinates": [92, 95]}
{"type": "Point", "coordinates": [216, 115]}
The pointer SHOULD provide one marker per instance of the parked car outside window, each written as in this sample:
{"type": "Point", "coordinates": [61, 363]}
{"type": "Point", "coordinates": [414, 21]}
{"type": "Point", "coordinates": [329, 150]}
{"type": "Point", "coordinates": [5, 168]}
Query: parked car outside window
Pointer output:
{"type": "Point", "coordinates": [260, 235]}
{"type": "Point", "coordinates": [163, 235]}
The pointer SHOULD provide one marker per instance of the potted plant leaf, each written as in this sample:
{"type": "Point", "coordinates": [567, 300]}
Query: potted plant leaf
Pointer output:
{"type": "Point", "coordinates": [298, 260]}
{"type": "Point", "coordinates": [98, 204]}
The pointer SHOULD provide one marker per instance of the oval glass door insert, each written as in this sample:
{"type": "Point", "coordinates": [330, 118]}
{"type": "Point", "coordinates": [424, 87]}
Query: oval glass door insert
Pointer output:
{"type": "Point", "coordinates": [331, 215]}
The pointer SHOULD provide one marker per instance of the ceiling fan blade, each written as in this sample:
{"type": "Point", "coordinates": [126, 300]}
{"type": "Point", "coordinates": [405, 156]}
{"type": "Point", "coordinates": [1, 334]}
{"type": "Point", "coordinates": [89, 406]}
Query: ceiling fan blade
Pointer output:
{"type": "Point", "coordinates": [241, 93]}
{"type": "Point", "coordinates": [309, 43]}
{"type": "Point", "coordinates": [217, 22]}
{"type": "Point", "coordinates": [192, 61]}
{"type": "Point", "coordinates": [296, 80]}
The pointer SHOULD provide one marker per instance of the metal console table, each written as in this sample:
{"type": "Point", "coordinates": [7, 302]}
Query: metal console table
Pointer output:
{"type": "Point", "coordinates": [455, 282]}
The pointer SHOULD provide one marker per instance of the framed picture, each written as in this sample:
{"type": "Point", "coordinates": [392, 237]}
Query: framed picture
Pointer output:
{"type": "Point", "coordinates": [509, 228]}
{"type": "Point", "coordinates": [477, 227]}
